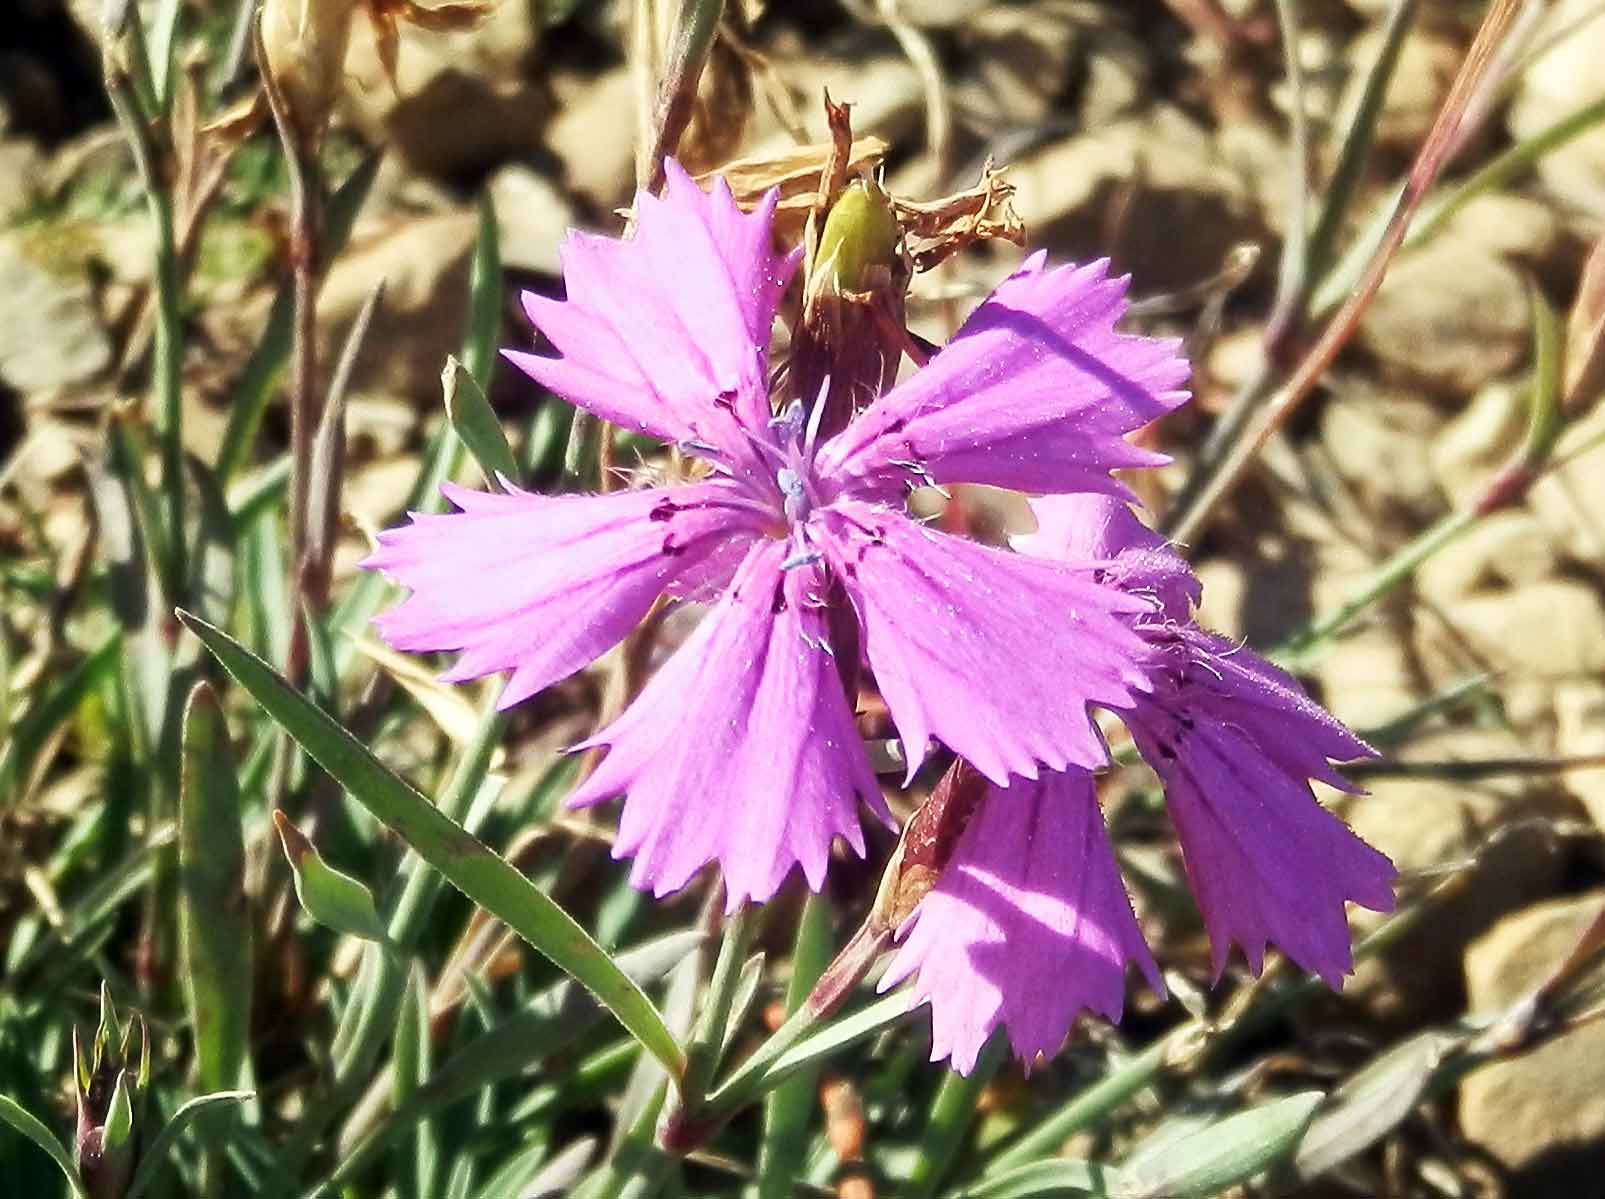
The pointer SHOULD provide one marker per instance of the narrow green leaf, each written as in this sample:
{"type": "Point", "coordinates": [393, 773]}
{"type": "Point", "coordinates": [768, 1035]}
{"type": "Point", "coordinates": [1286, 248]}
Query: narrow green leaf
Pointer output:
{"type": "Point", "coordinates": [411, 1063]}
{"type": "Point", "coordinates": [1499, 172]}
{"type": "Point", "coordinates": [1056, 1178]}
{"type": "Point", "coordinates": [471, 415]}
{"type": "Point", "coordinates": [1371, 1103]}
{"type": "Point", "coordinates": [213, 921]}
{"type": "Point", "coordinates": [155, 1154]}
{"type": "Point", "coordinates": [707, 1040]}
{"type": "Point", "coordinates": [212, 574]}
{"type": "Point", "coordinates": [548, 1024]}
{"type": "Point", "coordinates": [24, 1122]}
{"type": "Point", "coordinates": [546, 439]}
{"type": "Point", "coordinates": [464, 860]}
{"type": "Point", "coordinates": [119, 543]}
{"type": "Point", "coordinates": [322, 666]}
{"type": "Point", "coordinates": [163, 33]}
{"type": "Point", "coordinates": [63, 945]}
{"type": "Point", "coordinates": [250, 394]}
{"type": "Point", "coordinates": [1543, 410]}
{"type": "Point", "coordinates": [49, 712]}
{"type": "Point", "coordinates": [746, 994]}
{"type": "Point", "coordinates": [1084, 1108]}
{"type": "Point", "coordinates": [1208, 1160]}
{"type": "Point", "coordinates": [1356, 138]}
{"type": "Point", "coordinates": [263, 492]}
{"type": "Point", "coordinates": [326, 471]}
{"type": "Point", "coordinates": [788, 1108]}
{"type": "Point", "coordinates": [820, 1045]}
{"type": "Point", "coordinates": [509, 1181]}
{"type": "Point", "coordinates": [557, 1178]}
{"type": "Point", "coordinates": [953, 1115]}
{"type": "Point", "coordinates": [128, 452]}
{"type": "Point", "coordinates": [331, 897]}
{"type": "Point", "coordinates": [484, 297]}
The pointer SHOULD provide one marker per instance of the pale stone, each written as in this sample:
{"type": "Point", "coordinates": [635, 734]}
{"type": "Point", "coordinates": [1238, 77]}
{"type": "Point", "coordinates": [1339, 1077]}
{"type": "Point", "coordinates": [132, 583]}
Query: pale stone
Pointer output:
{"type": "Point", "coordinates": [532, 216]}
{"type": "Point", "coordinates": [1542, 1113]}
{"type": "Point", "coordinates": [21, 166]}
{"type": "Point", "coordinates": [1367, 678]}
{"type": "Point", "coordinates": [1023, 62]}
{"type": "Point", "coordinates": [1379, 444]}
{"type": "Point", "coordinates": [592, 135]}
{"type": "Point", "coordinates": [1426, 823]}
{"type": "Point", "coordinates": [1565, 78]}
{"type": "Point", "coordinates": [1427, 64]}
{"type": "Point", "coordinates": [1164, 172]}
{"type": "Point", "coordinates": [49, 334]}
{"type": "Point", "coordinates": [1554, 629]}
{"type": "Point", "coordinates": [1571, 503]}
{"type": "Point", "coordinates": [1506, 548]}
{"type": "Point", "coordinates": [1579, 706]}
{"type": "Point", "coordinates": [376, 493]}
{"type": "Point", "coordinates": [1117, 80]}
{"type": "Point", "coordinates": [1450, 316]}
{"type": "Point", "coordinates": [1516, 226]}
{"type": "Point", "coordinates": [1236, 357]}
{"type": "Point", "coordinates": [1225, 597]}
{"type": "Point", "coordinates": [424, 263]}
{"type": "Point", "coordinates": [1477, 442]}
{"type": "Point", "coordinates": [462, 100]}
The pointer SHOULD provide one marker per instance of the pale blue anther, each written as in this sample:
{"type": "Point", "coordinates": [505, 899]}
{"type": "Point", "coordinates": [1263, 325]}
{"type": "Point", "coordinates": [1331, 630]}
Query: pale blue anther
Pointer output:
{"type": "Point", "coordinates": [794, 493]}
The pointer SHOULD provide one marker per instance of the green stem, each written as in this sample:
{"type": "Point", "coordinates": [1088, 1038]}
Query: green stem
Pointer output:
{"type": "Point", "coordinates": [788, 1107]}
{"type": "Point", "coordinates": [168, 377]}
{"type": "Point", "coordinates": [952, 1114]}
{"type": "Point", "coordinates": [1401, 566]}
{"type": "Point", "coordinates": [1091, 1105]}
{"type": "Point", "coordinates": [702, 1054]}
{"type": "Point", "coordinates": [168, 352]}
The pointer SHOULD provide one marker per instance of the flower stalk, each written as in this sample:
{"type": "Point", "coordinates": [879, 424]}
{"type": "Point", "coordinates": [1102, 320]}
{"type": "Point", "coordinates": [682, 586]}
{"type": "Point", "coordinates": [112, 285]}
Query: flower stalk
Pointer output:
{"type": "Point", "coordinates": [146, 128]}
{"type": "Point", "coordinates": [300, 77]}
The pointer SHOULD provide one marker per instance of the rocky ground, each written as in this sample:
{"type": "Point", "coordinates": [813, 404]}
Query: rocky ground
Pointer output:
{"type": "Point", "coordinates": [1156, 133]}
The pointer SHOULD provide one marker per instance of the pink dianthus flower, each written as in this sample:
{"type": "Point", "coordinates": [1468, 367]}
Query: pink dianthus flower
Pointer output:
{"type": "Point", "coordinates": [742, 749]}
{"type": "Point", "coordinates": [1028, 924]}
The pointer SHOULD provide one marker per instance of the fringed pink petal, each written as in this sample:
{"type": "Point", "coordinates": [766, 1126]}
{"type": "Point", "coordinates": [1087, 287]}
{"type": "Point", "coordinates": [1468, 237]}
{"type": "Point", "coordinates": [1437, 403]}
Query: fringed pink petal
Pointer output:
{"type": "Point", "coordinates": [1103, 531]}
{"type": "Point", "coordinates": [1235, 742]}
{"type": "Point", "coordinates": [1037, 392]}
{"type": "Point", "coordinates": [541, 586]}
{"type": "Point", "coordinates": [997, 655]}
{"type": "Point", "coordinates": [666, 332]}
{"type": "Point", "coordinates": [742, 748]}
{"type": "Point", "coordinates": [1028, 925]}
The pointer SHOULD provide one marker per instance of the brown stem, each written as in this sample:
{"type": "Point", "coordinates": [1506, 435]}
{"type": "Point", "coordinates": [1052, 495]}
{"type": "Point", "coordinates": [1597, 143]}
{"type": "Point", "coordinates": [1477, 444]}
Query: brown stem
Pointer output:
{"type": "Point", "coordinates": [1423, 173]}
{"type": "Point", "coordinates": [309, 581]}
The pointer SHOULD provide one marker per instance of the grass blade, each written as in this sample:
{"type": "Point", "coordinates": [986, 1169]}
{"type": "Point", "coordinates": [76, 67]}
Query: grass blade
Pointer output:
{"type": "Point", "coordinates": [30, 733]}
{"type": "Point", "coordinates": [26, 1123]}
{"type": "Point", "coordinates": [464, 860]}
{"type": "Point", "coordinates": [1211, 1159]}
{"type": "Point", "coordinates": [156, 1153]}
{"type": "Point", "coordinates": [953, 1114]}
{"type": "Point", "coordinates": [1060, 1177]}
{"type": "Point", "coordinates": [1358, 137]}
{"type": "Point", "coordinates": [484, 298]}
{"type": "Point", "coordinates": [471, 416]}
{"type": "Point", "coordinates": [788, 1108]}
{"type": "Point", "coordinates": [823, 1043]}
{"type": "Point", "coordinates": [214, 924]}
